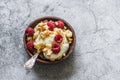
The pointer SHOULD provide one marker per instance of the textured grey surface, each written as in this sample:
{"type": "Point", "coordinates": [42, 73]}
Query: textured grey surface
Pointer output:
{"type": "Point", "coordinates": [97, 27]}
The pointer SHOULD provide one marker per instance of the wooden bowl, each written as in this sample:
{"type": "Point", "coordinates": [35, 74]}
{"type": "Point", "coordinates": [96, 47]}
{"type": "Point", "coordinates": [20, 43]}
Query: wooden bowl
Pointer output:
{"type": "Point", "coordinates": [72, 45]}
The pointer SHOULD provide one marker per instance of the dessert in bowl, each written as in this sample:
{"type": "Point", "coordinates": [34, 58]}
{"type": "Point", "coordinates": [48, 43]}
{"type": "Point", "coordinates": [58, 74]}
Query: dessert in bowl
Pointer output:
{"type": "Point", "coordinates": [53, 38]}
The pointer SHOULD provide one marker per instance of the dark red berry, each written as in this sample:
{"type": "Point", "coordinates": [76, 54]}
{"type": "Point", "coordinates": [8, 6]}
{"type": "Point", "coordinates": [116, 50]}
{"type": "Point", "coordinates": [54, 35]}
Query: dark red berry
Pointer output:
{"type": "Point", "coordinates": [58, 38]}
{"type": "Point", "coordinates": [29, 32]}
{"type": "Point", "coordinates": [30, 45]}
{"type": "Point", "coordinates": [51, 25]}
{"type": "Point", "coordinates": [60, 24]}
{"type": "Point", "coordinates": [55, 48]}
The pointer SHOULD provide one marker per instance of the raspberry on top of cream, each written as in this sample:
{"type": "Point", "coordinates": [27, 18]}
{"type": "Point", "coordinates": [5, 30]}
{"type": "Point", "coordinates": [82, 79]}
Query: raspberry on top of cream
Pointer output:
{"type": "Point", "coordinates": [50, 38]}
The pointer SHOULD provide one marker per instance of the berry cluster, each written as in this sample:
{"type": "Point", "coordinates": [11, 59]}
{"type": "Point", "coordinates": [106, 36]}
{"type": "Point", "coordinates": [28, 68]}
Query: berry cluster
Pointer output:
{"type": "Point", "coordinates": [56, 47]}
{"type": "Point", "coordinates": [58, 38]}
{"type": "Point", "coordinates": [29, 33]}
{"type": "Point", "coordinates": [52, 25]}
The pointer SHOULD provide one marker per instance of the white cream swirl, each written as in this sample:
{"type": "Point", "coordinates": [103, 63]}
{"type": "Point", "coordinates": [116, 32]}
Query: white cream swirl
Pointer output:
{"type": "Point", "coordinates": [63, 48]}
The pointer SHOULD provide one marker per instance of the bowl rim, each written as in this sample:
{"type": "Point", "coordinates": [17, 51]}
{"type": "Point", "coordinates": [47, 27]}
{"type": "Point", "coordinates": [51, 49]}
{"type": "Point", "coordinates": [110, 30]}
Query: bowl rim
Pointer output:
{"type": "Point", "coordinates": [71, 48]}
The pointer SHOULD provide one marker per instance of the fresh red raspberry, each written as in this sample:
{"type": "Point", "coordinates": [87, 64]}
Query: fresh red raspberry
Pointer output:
{"type": "Point", "coordinates": [29, 31]}
{"type": "Point", "coordinates": [30, 45]}
{"type": "Point", "coordinates": [51, 25]}
{"type": "Point", "coordinates": [55, 48]}
{"type": "Point", "coordinates": [58, 38]}
{"type": "Point", "coordinates": [60, 24]}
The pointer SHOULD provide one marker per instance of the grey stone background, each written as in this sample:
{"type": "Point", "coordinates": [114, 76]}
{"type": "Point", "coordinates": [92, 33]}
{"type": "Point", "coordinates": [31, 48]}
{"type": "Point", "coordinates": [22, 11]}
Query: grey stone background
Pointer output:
{"type": "Point", "coordinates": [97, 27]}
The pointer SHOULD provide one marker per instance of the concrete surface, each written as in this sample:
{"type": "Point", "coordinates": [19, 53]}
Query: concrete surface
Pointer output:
{"type": "Point", "coordinates": [97, 27]}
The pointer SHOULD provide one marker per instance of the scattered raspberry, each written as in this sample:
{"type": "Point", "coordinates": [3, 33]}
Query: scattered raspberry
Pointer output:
{"type": "Point", "coordinates": [30, 45]}
{"type": "Point", "coordinates": [58, 38]}
{"type": "Point", "coordinates": [60, 24]}
{"type": "Point", "coordinates": [29, 32]}
{"type": "Point", "coordinates": [55, 48]}
{"type": "Point", "coordinates": [51, 25]}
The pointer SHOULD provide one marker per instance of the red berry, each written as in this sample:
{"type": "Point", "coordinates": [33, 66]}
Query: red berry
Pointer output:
{"type": "Point", "coordinates": [51, 25]}
{"type": "Point", "coordinates": [58, 38]}
{"type": "Point", "coordinates": [29, 31]}
{"type": "Point", "coordinates": [60, 24]}
{"type": "Point", "coordinates": [55, 48]}
{"type": "Point", "coordinates": [30, 45]}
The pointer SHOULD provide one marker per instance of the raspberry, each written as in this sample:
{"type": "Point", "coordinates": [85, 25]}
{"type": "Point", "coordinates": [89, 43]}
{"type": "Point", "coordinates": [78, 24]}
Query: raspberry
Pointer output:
{"type": "Point", "coordinates": [60, 24]}
{"type": "Point", "coordinates": [30, 45]}
{"type": "Point", "coordinates": [58, 38]}
{"type": "Point", "coordinates": [55, 48]}
{"type": "Point", "coordinates": [51, 25]}
{"type": "Point", "coordinates": [29, 32]}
